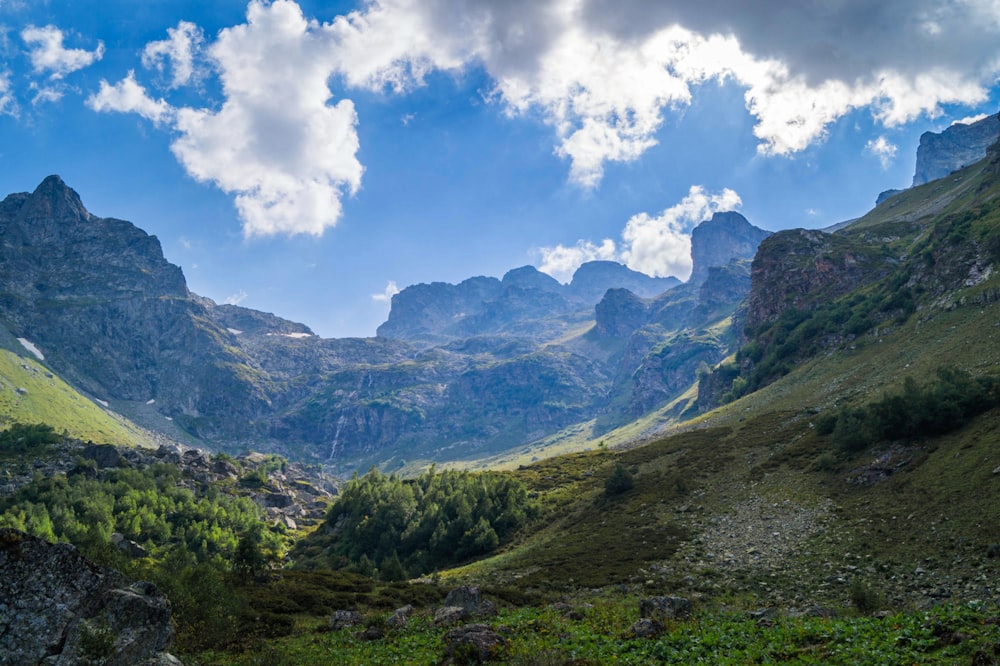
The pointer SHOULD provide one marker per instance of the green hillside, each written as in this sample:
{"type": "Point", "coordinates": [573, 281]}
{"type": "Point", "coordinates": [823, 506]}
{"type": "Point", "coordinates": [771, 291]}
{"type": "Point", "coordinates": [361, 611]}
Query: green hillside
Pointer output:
{"type": "Point", "coordinates": [30, 393]}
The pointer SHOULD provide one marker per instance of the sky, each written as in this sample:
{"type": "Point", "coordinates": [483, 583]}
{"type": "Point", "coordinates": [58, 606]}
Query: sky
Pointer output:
{"type": "Point", "coordinates": [310, 159]}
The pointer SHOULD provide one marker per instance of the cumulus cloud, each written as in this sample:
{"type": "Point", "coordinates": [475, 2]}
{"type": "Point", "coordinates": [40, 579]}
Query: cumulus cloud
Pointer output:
{"type": "Point", "coordinates": [604, 72]}
{"type": "Point", "coordinates": [661, 245]}
{"type": "Point", "coordinates": [969, 120]}
{"type": "Point", "coordinates": [658, 245]}
{"type": "Point", "coordinates": [562, 261]}
{"type": "Point", "coordinates": [47, 53]}
{"type": "Point", "coordinates": [276, 142]}
{"type": "Point", "coordinates": [882, 149]}
{"type": "Point", "coordinates": [386, 296]}
{"type": "Point", "coordinates": [128, 96]}
{"type": "Point", "coordinates": [178, 50]}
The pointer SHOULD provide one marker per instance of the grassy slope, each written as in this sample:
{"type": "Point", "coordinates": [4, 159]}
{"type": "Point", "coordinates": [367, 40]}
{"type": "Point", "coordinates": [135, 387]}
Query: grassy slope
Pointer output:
{"type": "Point", "coordinates": [45, 398]}
{"type": "Point", "coordinates": [779, 491]}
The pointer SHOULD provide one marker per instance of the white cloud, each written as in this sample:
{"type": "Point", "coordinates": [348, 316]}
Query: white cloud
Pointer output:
{"type": "Point", "coordinates": [48, 54]}
{"type": "Point", "coordinates": [127, 96]}
{"type": "Point", "coordinates": [561, 261]}
{"type": "Point", "coordinates": [8, 103]}
{"type": "Point", "coordinates": [179, 50]}
{"type": "Point", "coordinates": [276, 142]}
{"type": "Point", "coordinates": [661, 245]}
{"type": "Point", "coordinates": [386, 296]}
{"type": "Point", "coordinates": [45, 94]}
{"type": "Point", "coordinates": [237, 298]}
{"type": "Point", "coordinates": [969, 120]}
{"type": "Point", "coordinates": [882, 149]}
{"type": "Point", "coordinates": [603, 73]}
{"type": "Point", "coordinates": [657, 245]}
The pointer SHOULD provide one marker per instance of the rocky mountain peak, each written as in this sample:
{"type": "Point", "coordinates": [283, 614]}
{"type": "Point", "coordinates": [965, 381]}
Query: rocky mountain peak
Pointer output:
{"type": "Point", "coordinates": [53, 200]}
{"type": "Point", "coordinates": [529, 277]}
{"type": "Point", "coordinates": [724, 238]}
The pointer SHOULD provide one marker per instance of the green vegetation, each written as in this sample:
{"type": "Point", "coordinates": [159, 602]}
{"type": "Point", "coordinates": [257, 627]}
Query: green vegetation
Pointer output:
{"type": "Point", "coordinates": [394, 528]}
{"type": "Point", "coordinates": [22, 438]}
{"type": "Point", "coordinates": [600, 634]}
{"type": "Point", "coordinates": [935, 408]}
{"type": "Point", "coordinates": [148, 506]}
{"type": "Point", "coordinates": [30, 393]}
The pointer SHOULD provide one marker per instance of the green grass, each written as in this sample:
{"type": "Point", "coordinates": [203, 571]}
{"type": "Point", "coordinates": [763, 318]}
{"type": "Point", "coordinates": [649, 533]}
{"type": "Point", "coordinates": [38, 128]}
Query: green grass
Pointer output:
{"type": "Point", "coordinates": [44, 398]}
{"type": "Point", "coordinates": [543, 636]}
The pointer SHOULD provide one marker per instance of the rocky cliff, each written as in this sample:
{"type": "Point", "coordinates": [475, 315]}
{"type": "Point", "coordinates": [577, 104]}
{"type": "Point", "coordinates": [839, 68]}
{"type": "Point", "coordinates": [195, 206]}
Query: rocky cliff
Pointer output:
{"type": "Point", "coordinates": [725, 238]}
{"type": "Point", "coordinates": [58, 608]}
{"type": "Point", "coordinates": [940, 153]}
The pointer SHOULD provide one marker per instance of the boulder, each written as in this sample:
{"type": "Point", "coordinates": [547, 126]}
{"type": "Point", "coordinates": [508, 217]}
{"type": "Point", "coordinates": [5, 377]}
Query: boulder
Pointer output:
{"type": "Point", "coordinates": [473, 643]}
{"type": "Point", "coordinates": [645, 627]}
{"type": "Point", "coordinates": [451, 615]}
{"type": "Point", "coordinates": [57, 606]}
{"type": "Point", "coordinates": [471, 600]}
{"type": "Point", "coordinates": [342, 619]}
{"type": "Point", "coordinates": [664, 608]}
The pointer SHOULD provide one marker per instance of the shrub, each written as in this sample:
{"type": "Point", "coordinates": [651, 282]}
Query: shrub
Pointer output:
{"type": "Point", "coordinates": [865, 598]}
{"type": "Point", "coordinates": [619, 482]}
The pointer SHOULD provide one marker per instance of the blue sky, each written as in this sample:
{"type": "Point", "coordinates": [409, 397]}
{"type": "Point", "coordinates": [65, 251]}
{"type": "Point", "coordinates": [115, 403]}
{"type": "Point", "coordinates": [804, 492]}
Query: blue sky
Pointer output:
{"type": "Point", "coordinates": [302, 158]}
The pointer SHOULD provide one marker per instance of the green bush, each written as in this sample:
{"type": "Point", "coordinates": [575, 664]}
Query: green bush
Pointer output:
{"type": "Point", "coordinates": [619, 482]}
{"type": "Point", "coordinates": [941, 405]}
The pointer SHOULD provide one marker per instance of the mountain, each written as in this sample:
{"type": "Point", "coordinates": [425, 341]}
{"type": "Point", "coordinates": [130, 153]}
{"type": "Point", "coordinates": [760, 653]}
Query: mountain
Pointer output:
{"type": "Point", "coordinates": [526, 303]}
{"type": "Point", "coordinates": [457, 371]}
{"type": "Point", "coordinates": [960, 145]}
{"type": "Point", "coordinates": [724, 238]}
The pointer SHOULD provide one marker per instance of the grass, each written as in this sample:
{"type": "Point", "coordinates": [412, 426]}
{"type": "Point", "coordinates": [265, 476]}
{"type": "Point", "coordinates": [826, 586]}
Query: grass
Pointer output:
{"type": "Point", "coordinates": [30, 393]}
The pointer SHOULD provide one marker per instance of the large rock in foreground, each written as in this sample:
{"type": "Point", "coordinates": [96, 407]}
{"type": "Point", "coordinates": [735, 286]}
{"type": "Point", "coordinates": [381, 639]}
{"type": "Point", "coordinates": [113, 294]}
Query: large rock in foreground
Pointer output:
{"type": "Point", "coordinates": [58, 608]}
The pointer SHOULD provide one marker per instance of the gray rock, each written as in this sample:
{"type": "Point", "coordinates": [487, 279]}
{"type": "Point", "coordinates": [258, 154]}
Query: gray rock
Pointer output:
{"type": "Point", "coordinates": [664, 608]}
{"type": "Point", "coordinates": [61, 608]}
{"type": "Point", "coordinates": [469, 598]}
{"type": "Point", "coordinates": [646, 627]}
{"type": "Point", "coordinates": [451, 615]}
{"type": "Point", "coordinates": [400, 617]}
{"type": "Point", "coordinates": [343, 619]}
{"type": "Point", "coordinates": [473, 643]}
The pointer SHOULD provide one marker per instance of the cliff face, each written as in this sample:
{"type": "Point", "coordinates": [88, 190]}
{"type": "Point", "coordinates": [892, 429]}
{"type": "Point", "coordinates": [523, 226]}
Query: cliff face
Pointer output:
{"type": "Point", "coordinates": [802, 268]}
{"type": "Point", "coordinates": [940, 153]}
{"type": "Point", "coordinates": [110, 313]}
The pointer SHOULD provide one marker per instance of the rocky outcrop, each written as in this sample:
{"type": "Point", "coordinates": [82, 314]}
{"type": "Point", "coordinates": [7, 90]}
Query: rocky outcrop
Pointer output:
{"type": "Point", "coordinates": [960, 145]}
{"type": "Point", "coordinates": [620, 313]}
{"type": "Point", "coordinates": [58, 608]}
{"type": "Point", "coordinates": [803, 268]}
{"type": "Point", "coordinates": [725, 238]}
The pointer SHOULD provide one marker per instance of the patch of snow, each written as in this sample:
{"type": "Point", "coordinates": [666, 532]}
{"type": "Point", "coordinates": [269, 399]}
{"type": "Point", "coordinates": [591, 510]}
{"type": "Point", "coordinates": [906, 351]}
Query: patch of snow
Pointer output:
{"type": "Point", "coordinates": [169, 418]}
{"type": "Point", "coordinates": [235, 331]}
{"type": "Point", "coordinates": [32, 348]}
{"type": "Point", "coordinates": [102, 403]}
{"type": "Point", "coordinates": [297, 336]}
{"type": "Point", "coordinates": [150, 402]}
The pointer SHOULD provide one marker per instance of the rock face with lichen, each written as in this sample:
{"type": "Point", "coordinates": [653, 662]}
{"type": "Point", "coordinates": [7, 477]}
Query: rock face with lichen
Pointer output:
{"type": "Point", "coordinates": [58, 608]}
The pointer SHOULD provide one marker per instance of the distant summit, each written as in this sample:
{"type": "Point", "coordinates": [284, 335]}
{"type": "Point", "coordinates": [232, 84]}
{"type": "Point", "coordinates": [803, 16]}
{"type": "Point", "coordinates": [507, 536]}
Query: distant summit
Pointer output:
{"type": "Point", "coordinates": [718, 241]}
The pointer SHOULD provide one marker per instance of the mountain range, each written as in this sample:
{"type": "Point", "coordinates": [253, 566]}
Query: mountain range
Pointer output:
{"type": "Point", "coordinates": [456, 372]}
